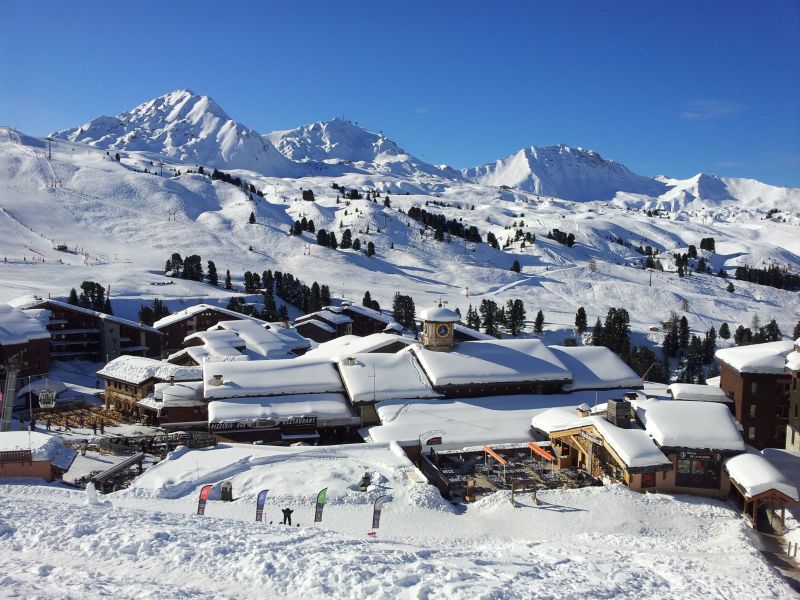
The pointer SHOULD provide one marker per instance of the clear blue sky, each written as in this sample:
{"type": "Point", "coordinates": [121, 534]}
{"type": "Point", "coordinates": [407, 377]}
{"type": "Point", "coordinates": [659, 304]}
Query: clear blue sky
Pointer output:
{"type": "Point", "coordinates": [674, 87]}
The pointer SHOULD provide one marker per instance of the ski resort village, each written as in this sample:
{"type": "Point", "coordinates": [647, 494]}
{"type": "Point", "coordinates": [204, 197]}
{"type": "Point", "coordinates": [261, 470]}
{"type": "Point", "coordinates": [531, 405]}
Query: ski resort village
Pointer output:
{"type": "Point", "coordinates": [308, 363]}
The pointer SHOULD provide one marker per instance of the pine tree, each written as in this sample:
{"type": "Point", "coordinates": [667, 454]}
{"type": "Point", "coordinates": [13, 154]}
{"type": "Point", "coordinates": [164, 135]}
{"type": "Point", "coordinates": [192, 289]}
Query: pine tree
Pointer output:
{"type": "Point", "coordinates": [671, 342]}
{"type": "Point", "coordinates": [597, 333]}
{"type": "Point", "coordinates": [228, 284]}
{"type": "Point", "coordinates": [515, 266]}
{"type": "Point", "coordinates": [213, 279]}
{"type": "Point", "coordinates": [356, 244]}
{"type": "Point", "coordinates": [730, 287]}
{"type": "Point", "coordinates": [325, 296]}
{"type": "Point", "coordinates": [252, 219]}
{"type": "Point", "coordinates": [311, 228]}
{"type": "Point", "coordinates": [581, 323]}
{"type": "Point", "coordinates": [267, 281]}
{"type": "Point", "coordinates": [724, 331]}
{"type": "Point", "coordinates": [283, 313]}
{"type": "Point", "coordinates": [370, 249]}
{"type": "Point", "coordinates": [492, 241]}
{"type": "Point", "coordinates": [796, 331]}
{"type": "Point", "coordinates": [709, 346]}
{"type": "Point", "coordinates": [473, 319]}
{"type": "Point", "coordinates": [160, 310]}
{"type": "Point", "coordinates": [367, 300]}
{"type": "Point", "coordinates": [515, 317]}
{"type": "Point", "coordinates": [404, 311]}
{"type": "Point", "coordinates": [538, 324]}
{"type": "Point", "coordinates": [107, 307]}
{"type": "Point", "coordinates": [772, 333]}
{"type": "Point", "coordinates": [332, 243]}
{"type": "Point", "coordinates": [322, 238]}
{"type": "Point", "coordinates": [488, 312]}
{"type": "Point", "coordinates": [73, 298]}
{"type": "Point", "coordinates": [347, 239]}
{"type": "Point", "coordinates": [683, 333]}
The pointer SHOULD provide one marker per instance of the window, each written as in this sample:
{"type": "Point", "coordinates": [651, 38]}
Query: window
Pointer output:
{"type": "Point", "coordinates": [752, 411]}
{"type": "Point", "coordinates": [648, 480]}
{"type": "Point", "coordinates": [754, 387]}
{"type": "Point", "coordinates": [751, 433]}
{"type": "Point", "coordinates": [698, 469]}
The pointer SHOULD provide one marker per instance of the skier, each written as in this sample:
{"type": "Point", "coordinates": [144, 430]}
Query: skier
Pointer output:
{"type": "Point", "coordinates": [102, 428]}
{"type": "Point", "coordinates": [47, 425]}
{"type": "Point", "coordinates": [94, 427]}
{"type": "Point", "coordinates": [287, 516]}
{"type": "Point", "coordinates": [84, 446]}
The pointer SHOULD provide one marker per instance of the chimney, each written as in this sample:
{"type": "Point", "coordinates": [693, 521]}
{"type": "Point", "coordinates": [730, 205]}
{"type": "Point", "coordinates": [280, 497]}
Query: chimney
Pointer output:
{"type": "Point", "coordinates": [216, 380]}
{"type": "Point", "coordinates": [618, 412]}
{"type": "Point", "coordinates": [172, 379]}
{"type": "Point", "coordinates": [584, 410]}
{"type": "Point", "coordinates": [350, 361]}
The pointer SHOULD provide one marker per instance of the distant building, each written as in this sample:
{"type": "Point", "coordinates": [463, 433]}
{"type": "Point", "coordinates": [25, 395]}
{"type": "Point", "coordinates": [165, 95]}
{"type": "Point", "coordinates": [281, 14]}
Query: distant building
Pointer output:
{"type": "Point", "coordinates": [177, 326]}
{"type": "Point", "coordinates": [793, 370]}
{"type": "Point", "coordinates": [85, 334]}
{"type": "Point", "coordinates": [23, 335]}
{"type": "Point", "coordinates": [366, 321]}
{"type": "Point", "coordinates": [324, 325]}
{"type": "Point", "coordinates": [754, 377]}
{"type": "Point", "coordinates": [130, 379]}
{"type": "Point", "coordinates": [34, 454]}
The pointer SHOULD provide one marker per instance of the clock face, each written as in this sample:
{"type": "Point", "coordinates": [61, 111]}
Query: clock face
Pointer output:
{"type": "Point", "coordinates": [443, 330]}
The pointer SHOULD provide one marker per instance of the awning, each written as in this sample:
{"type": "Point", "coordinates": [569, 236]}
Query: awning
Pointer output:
{"type": "Point", "coordinates": [537, 449]}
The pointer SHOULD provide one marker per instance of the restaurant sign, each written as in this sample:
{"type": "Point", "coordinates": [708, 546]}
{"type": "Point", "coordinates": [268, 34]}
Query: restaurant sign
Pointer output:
{"type": "Point", "coordinates": [264, 423]}
{"type": "Point", "coordinates": [592, 438]}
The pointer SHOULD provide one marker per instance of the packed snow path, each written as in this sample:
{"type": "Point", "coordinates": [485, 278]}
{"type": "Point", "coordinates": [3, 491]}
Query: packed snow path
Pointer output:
{"type": "Point", "coordinates": [593, 543]}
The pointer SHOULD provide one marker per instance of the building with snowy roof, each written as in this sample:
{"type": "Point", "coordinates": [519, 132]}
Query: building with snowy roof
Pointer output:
{"type": "Point", "coordinates": [34, 454]}
{"type": "Point", "coordinates": [240, 339]}
{"type": "Point", "coordinates": [366, 320]}
{"type": "Point", "coordinates": [754, 377]}
{"type": "Point", "coordinates": [758, 483]}
{"type": "Point", "coordinates": [670, 446]}
{"type": "Point", "coordinates": [129, 379]}
{"type": "Point", "coordinates": [26, 338]}
{"type": "Point", "coordinates": [696, 392]}
{"type": "Point", "coordinates": [324, 325]}
{"type": "Point", "coordinates": [200, 317]}
{"type": "Point", "coordinates": [175, 404]}
{"type": "Point", "coordinates": [595, 368]}
{"type": "Point", "coordinates": [350, 345]}
{"type": "Point", "coordinates": [792, 369]}
{"type": "Point", "coordinates": [85, 334]}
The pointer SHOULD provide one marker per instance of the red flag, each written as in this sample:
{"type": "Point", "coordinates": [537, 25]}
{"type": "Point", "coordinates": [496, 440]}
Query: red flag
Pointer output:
{"type": "Point", "coordinates": [201, 504]}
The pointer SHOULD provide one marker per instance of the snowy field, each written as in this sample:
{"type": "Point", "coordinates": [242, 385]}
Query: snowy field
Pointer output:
{"type": "Point", "coordinates": [146, 542]}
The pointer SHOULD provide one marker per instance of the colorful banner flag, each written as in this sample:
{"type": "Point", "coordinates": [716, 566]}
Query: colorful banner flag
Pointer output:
{"type": "Point", "coordinates": [323, 494]}
{"type": "Point", "coordinates": [376, 512]}
{"type": "Point", "coordinates": [260, 501]}
{"type": "Point", "coordinates": [204, 493]}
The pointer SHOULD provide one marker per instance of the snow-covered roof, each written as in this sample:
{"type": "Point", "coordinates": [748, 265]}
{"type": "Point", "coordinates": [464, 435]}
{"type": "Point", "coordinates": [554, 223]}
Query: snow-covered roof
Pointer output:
{"type": "Point", "coordinates": [41, 303]}
{"type": "Point", "coordinates": [471, 421]}
{"type": "Point", "coordinates": [633, 446]}
{"type": "Point", "coordinates": [439, 314]}
{"type": "Point", "coordinates": [495, 361]}
{"type": "Point", "coordinates": [768, 358]}
{"type": "Point", "coordinates": [196, 309]}
{"type": "Point", "coordinates": [326, 407]}
{"type": "Point", "coordinates": [317, 323]}
{"type": "Point", "coordinates": [595, 368]}
{"type": "Point", "coordinates": [271, 378]}
{"type": "Point", "coordinates": [793, 361]}
{"type": "Point", "coordinates": [266, 343]}
{"type": "Point", "coordinates": [553, 419]}
{"type": "Point", "coordinates": [470, 332]}
{"type": "Point", "coordinates": [349, 345]}
{"type": "Point", "coordinates": [326, 315]}
{"type": "Point", "coordinates": [42, 447]}
{"type": "Point", "coordinates": [137, 369]}
{"type": "Point", "coordinates": [369, 312]}
{"type": "Point", "coordinates": [686, 424]}
{"type": "Point", "coordinates": [756, 475]}
{"type": "Point", "coordinates": [179, 394]}
{"type": "Point", "coordinates": [384, 377]}
{"type": "Point", "coordinates": [201, 354]}
{"type": "Point", "coordinates": [42, 384]}
{"type": "Point", "coordinates": [698, 392]}
{"type": "Point", "coordinates": [16, 327]}
{"type": "Point", "coordinates": [218, 342]}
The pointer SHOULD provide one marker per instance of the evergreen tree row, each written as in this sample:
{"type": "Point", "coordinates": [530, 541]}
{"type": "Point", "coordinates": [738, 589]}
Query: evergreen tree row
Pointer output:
{"type": "Point", "coordinates": [303, 225]}
{"type": "Point", "coordinates": [150, 314]}
{"type": "Point", "coordinates": [92, 296]}
{"type": "Point", "coordinates": [772, 276]}
{"type": "Point", "coordinates": [190, 267]}
{"type": "Point", "coordinates": [492, 318]}
{"type": "Point", "coordinates": [441, 225]}
{"type": "Point", "coordinates": [567, 239]}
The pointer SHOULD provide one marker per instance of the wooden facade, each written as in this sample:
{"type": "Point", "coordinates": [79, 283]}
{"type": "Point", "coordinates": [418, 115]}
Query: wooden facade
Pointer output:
{"type": "Point", "coordinates": [793, 427]}
{"type": "Point", "coordinates": [35, 356]}
{"type": "Point", "coordinates": [760, 404]}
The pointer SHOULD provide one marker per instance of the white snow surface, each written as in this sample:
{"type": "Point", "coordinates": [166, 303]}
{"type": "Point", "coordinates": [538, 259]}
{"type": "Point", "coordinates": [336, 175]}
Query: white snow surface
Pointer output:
{"type": "Point", "coordinates": [16, 327]}
{"type": "Point", "coordinates": [327, 407]}
{"type": "Point", "coordinates": [689, 424]}
{"type": "Point", "coordinates": [492, 361]}
{"type": "Point", "coordinates": [137, 369]}
{"type": "Point", "coordinates": [350, 345]}
{"type": "Point", "coordinates": [57, 546]}
{"type": "Point", "coordinates": [793, 360]}
{"type": "Point", "coordinates": [198, 308]}
{"type": "Point", "coordinates": [271, 378]}
{"type": "Point", "coordinates": [43, 446]}
{"type": "Point", "coordinates": [439, 314]}
{"type": "Point", "coordinates": [595, 368]}
{"type": "Point", "coordinates": [757, 358]}
{"type": "Point", "coordinates": [756, 475]}
{"type": "Point", "coordinates": [384, 377]}
{"type": "Point", "coordinates": [698, 392]}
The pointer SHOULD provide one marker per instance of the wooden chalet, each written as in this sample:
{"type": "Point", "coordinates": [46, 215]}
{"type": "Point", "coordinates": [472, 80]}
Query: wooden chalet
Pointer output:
{"type": "Point", "coordinates": [324, 325]}
{"type": "Point", "coordinates": [24, 339]}
{"type": "Point", "coordinates": [760, 488]}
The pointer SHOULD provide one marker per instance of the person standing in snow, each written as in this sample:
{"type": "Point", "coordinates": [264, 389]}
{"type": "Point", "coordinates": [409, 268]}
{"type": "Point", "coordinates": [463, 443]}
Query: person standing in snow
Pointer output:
{"type": "Point", "coordinates": [287, 516]}
{"type": "Point", "coordinates": [47, 425]}
{"type": "Point", "coordinates": [102, 428]}
{"type": "Point", "coordinates": [94, 427]}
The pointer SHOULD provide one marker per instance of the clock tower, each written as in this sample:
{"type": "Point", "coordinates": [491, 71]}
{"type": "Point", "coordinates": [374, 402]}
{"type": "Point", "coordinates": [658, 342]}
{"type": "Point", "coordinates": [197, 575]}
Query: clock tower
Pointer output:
{"type": "Point", "coordinates": [437, 328]}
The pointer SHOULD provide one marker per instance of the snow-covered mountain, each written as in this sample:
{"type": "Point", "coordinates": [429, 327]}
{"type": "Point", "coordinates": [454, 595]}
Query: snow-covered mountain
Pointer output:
{"type": "Point", "coordinates": [564, 172]}
{"type": "Point", "coordinates": [188, 128]}
{"type": "Point", "coordinates": [342, 142]}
